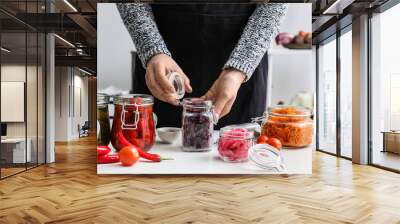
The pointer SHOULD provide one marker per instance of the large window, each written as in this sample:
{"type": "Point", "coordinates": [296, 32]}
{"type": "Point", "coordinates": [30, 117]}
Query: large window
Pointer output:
{"type": "Point", "coordinates": [385, 89]}
{"type": "Point", "coordinates": [22, 77]}
{"type": "Point", "coordinates": [327, 97]}
{"type": "Point", "coordinates": [346, 93]}
{"type": "Point", "coordinates": [335, 94]}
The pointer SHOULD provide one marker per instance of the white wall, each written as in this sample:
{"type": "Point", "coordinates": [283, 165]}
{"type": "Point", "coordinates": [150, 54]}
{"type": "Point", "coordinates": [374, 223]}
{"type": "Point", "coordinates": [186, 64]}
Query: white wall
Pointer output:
{"type": "Point", "coordinates": [67, 114]}
{"type": "Point", "coordinates": [292, 70]}
{"type": "Point", "coordinates": [114, 47]}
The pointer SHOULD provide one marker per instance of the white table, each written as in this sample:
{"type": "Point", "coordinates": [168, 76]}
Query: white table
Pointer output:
{"type": "Point", "coordinates": [18, 150]}
{"type": "Point", "coordinates": [296, 161]}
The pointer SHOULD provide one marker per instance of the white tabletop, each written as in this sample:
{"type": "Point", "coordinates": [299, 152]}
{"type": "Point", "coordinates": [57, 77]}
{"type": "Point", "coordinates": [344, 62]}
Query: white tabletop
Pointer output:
{"type": "Point", "coordinates": [296, 161]}
{"type": "Point", "coordinates": [13, 140]}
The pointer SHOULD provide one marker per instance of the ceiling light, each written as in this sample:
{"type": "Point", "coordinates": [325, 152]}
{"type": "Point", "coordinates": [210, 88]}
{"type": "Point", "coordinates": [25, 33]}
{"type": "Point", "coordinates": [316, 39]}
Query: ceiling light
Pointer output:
{"type": "Point", "coordinates": [84, 71]}
{"type": "Point", "coordinates": [65, 41]}
{"type": "Point", "coordinates": [5, 50]}
{"type": "Point", "coordinates": [70, 5]}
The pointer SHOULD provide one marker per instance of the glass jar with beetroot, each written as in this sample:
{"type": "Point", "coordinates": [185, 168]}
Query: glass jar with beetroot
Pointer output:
{"type": "Point", "coordinates": [197, 125]}
{"type": "Point", "coordinates": [133, 121]}
{"type": "Point", "coordinates": [234, 143]}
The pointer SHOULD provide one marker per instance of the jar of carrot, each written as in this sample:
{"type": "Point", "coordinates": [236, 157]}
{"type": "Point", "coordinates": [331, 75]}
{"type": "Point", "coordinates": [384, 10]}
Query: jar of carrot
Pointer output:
{"type": "Point", "coordinates": [293, 126]}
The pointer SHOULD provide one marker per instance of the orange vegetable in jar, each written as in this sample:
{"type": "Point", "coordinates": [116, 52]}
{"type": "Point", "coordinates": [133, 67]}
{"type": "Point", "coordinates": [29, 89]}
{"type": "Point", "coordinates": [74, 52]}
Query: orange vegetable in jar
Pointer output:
{"type": "Point", "coordinates": [291, 125]}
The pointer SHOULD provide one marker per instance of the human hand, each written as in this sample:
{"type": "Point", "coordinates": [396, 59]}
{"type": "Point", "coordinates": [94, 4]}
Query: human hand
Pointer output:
{"type": "Point", "coordinates": [158, 67]}
{"type": "Point", "coordinates": [224, 90]}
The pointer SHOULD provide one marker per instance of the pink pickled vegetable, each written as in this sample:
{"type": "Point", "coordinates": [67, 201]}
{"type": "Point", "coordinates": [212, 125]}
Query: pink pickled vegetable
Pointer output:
{"type": "Point", "coordinates": [233, 145]}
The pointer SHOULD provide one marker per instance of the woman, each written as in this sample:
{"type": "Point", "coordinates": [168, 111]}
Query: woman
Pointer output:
{"type": "Point", "coordinates": [218, 49]}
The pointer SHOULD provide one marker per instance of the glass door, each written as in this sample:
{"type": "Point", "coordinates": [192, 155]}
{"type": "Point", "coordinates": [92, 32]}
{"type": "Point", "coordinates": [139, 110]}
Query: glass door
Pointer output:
{"type": "Point", "coordinates": [22, 77]}
{"type": "Point", "coordinates": [326, 111]}
{"type": "Point", "coordinates": [14, 153]}
{"type": "Point", "coordinates": [385, 90]}
{"type": "Point", "coordinates": [346, 93]}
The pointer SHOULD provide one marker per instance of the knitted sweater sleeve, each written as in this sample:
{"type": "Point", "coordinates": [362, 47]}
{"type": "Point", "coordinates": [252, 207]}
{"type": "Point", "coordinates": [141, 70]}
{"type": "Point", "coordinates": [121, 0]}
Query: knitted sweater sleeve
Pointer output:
{"type": "Point", "coordinates": [139, 21]}
{"type": "Point", "coordinates": [262, 26]}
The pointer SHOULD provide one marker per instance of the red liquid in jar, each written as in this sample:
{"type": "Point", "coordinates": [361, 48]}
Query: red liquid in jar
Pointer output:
{"type": "Point", "coordinates": [143, 135]}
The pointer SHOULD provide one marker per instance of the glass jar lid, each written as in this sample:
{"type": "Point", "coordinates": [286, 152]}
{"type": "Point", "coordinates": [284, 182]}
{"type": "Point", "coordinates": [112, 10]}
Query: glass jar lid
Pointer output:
{"type": "Point", "coordinates": [197, 103]}
{"type": "Point", "coordinates": [236, 132]}
{"type": "Point", "coordinates": [289, 111]}
{"type": "Point", "coordinates": [134, 99]}
{"type": "Point", "coordinates": [177, 82]}
{"type": "Point", "coordinates": [266, 157]}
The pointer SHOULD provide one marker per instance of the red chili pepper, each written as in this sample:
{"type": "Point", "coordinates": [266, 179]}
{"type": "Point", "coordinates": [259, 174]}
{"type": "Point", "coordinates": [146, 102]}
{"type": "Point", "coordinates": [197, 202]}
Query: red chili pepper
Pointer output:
{"type": "Point", "coordinates": [108, 158]}
{"type": "Point", "coordinates": [103, 150]}
{"type": "Point", "coordinates": [149, 156]}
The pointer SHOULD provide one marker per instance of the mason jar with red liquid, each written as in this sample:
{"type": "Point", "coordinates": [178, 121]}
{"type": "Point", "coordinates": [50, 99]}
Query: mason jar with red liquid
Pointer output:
{"type": "Point", "coordinates": [133, 116]}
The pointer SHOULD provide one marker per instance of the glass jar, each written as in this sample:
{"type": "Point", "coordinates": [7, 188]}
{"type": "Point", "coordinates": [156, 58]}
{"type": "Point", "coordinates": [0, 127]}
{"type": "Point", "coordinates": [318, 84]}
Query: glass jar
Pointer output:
{"type": "Point", "coordinates": [234, 143]}
{"type": "Point", "coordinates": [133, 116]}
{"type": "Point", "coordinates": [293, 126]}
{"type": "Point", "coordinates": [197, 125]}
{"type": "Point", "coordinates": [103, 119]}
{"type": "Point", "coordinates": [177, 82]}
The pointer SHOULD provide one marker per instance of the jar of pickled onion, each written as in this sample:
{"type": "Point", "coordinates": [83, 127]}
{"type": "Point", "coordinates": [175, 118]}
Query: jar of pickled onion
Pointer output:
{"type": "Point", "coordinates": [133, 117]}
{"type": "Point", "coordinates": [234, 143]}
{"type": "Point", "coordinates": [293, 126]}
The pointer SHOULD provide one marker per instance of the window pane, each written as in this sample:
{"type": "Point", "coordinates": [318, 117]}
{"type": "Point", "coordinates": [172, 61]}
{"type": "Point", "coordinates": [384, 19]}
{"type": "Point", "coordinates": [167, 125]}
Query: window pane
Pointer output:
{"type": "Point", "coordinates": [14, 153]}
{"type": "Point", "coordinates": [346, 94]}
{"type": "Point", "coordinates": [385, 114]}
{"type": "Point", "coordinates": [327, 97]}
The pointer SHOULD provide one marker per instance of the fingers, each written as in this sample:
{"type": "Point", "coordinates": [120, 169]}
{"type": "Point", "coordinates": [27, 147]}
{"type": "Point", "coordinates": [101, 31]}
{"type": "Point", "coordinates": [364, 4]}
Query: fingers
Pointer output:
{"type": "Point", "coordinates": [227, 107]}
{"type": "Point", "coordinates": [157, 91]}
{"type": "Point", "coordinates": [161, 77]}
{"type": "Point", "coordinates": [186, 81]}
{"type": "Point", "coordinates": [221, 101]}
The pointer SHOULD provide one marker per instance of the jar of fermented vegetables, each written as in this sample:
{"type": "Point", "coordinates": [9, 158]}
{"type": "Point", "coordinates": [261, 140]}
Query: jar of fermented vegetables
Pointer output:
{"type": "Point", "coordinates": [103, 119]}
{"type": "Point", "coordinates": [293, 126]}
{"type": "Point", "coordinates": [197, 125]}
{"type": "Point", "coordinates": [133, 121]}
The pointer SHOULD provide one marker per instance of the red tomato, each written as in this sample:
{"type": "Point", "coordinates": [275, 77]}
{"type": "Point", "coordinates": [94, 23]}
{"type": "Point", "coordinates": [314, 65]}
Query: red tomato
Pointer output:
{"type": "Point", "coordinates": [128, 155]}
{"type": "Point", "coordinates": [262, 139]}
{"type": "Point", "coordinates": [275, 143]}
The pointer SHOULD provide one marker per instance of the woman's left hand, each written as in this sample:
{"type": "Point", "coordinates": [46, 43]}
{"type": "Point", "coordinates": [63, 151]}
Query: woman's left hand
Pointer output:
{"type": "Point", "coordinates": [224, 90]}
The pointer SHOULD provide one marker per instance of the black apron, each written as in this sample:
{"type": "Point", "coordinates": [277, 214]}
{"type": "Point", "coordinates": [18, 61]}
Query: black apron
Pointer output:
{"type": "Point", "coordinates": [201, 38]}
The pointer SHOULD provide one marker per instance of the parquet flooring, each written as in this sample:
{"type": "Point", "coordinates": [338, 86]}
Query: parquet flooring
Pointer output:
{"type": "Point", "coordinates": [69, 191]}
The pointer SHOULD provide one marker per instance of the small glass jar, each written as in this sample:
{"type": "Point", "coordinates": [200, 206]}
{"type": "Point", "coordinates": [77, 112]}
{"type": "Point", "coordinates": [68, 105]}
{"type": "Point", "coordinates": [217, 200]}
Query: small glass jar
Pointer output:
{"type": "Point", "coordinates": [103, 119]}
{"type": "Point", "coordinates": [133, 116]}
{"type": "Point", "coordinates": [234, 143]}
{"type": "Point", "coordinates": [197, 125]}
{"type": "Point", "coordinates": [293, 126]}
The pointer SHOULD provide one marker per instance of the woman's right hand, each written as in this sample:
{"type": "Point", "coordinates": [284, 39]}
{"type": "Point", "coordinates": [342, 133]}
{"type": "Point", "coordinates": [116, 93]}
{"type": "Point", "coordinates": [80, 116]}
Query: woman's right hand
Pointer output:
{"type": "Point", "coordinates": [156, 78]}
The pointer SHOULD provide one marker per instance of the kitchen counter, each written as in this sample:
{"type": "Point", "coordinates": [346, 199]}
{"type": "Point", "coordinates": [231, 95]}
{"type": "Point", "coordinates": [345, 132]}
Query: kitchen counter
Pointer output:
{"type": "Point", "coordinates": [296, 161]}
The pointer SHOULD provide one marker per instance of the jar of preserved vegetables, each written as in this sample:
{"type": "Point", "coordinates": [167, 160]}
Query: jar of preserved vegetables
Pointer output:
{"type": "Point", "coordinates": [103, 119]}
{"type": "Point", "coordinates": [133, 117]}
{"type": "Point", "coordinates": [197, 125]}
{"type": "Point", "coordinates": [234, 143]}
{"type": "Point", "coordinates": [293, 126]}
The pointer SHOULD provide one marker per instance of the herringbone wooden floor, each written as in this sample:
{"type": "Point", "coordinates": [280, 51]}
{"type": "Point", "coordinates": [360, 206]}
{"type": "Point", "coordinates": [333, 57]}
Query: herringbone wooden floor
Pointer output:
{"type": "Point", "coordinates": [69, 191]}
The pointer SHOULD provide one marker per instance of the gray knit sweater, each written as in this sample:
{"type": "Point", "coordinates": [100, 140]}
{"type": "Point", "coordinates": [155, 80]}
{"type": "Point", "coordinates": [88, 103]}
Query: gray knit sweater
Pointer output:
{"type": "Point", "coordinates": [261, 28]}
